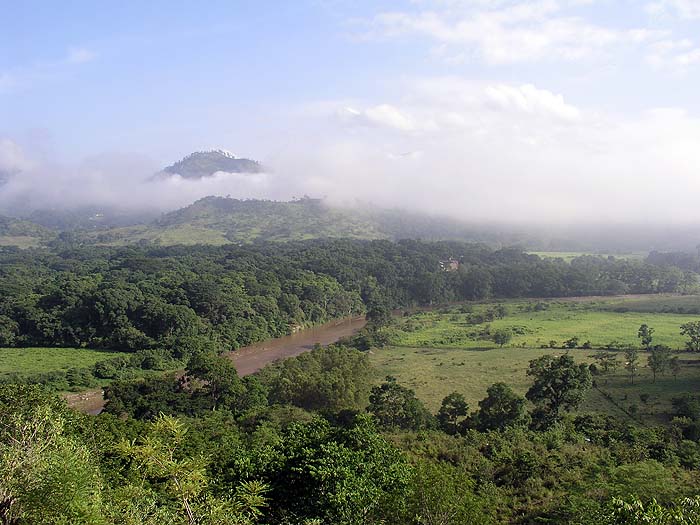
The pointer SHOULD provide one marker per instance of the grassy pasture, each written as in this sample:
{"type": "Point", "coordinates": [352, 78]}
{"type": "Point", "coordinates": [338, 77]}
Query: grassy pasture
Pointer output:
{"type": "Point", "coordinates": [568, 256]}
{"type": "Point", "coordinates": [40, 360]}
{"type": "Point", "coordinates": [436, 353]}
{"type": "Point", "coordinates": [596, 320]}
{"type": "Point", "coordinates": [21, 241]}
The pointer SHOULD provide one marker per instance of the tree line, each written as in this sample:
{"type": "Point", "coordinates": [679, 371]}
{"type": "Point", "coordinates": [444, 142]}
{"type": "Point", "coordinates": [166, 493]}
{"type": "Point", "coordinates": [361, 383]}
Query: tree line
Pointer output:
{"type": "Point", "coordinates": [139, 297]}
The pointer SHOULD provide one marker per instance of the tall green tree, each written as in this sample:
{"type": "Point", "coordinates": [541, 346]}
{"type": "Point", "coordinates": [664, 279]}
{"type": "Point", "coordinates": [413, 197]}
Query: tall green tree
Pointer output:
{"type": "Point", "coordinates": [607, 361]}
{"type": "Point", "coordinates": [692, 331]}
{"type": "Point", "coordinates": [500, 409]}
{"type": "Point", "coordinates": [659, 360]}
{"type": "Point", "coordinates": [215, 378]}
{"type": "Point", "coordinates": [453, 408]}
{"type": "Point", "coordinates": [559, 384]}
{"type": "Point", "coordinates": [342, 475]}
{"type": "Point", "coordinates": [502, 336]}
{"type": "Point", "coordinates": [186, 496]}
{"type": "Point", "coordinates": [396, 406]}
{"type": "Point", "coordinates": [645, 334]}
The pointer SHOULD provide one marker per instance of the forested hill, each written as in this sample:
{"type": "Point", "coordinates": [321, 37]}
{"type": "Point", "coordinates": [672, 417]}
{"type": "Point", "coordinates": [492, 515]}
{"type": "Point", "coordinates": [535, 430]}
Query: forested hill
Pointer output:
{"type": "Point", "coordinates": [221, 220]}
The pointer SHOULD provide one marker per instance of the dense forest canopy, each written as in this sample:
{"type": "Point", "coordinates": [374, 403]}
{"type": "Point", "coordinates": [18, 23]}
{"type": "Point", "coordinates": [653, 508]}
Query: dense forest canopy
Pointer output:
{"type": "Point", "coordinates": [137, 297]}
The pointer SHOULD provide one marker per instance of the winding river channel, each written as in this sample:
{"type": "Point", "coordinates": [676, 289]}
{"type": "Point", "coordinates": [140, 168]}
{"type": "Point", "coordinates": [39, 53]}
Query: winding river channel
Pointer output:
{"type": "Point", "coordinates": [250, 359]}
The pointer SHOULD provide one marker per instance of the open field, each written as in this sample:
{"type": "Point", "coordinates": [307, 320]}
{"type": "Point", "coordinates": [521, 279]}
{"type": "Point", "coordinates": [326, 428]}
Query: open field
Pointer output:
{"type": "Point", "coordinates": [21, 241]}
{"type": "Point", "coordinates": [40, 360]}
{"type": "Point", "coordinates": [441, 353]}
{"type": "Point", "coordinates": [537, 323]}
{"type": "Point", "coordinates": [568, 256]}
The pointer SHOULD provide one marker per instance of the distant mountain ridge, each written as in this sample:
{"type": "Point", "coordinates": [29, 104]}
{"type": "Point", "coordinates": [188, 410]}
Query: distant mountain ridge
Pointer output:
{"type": "Point", "coordinates": [201, 164]}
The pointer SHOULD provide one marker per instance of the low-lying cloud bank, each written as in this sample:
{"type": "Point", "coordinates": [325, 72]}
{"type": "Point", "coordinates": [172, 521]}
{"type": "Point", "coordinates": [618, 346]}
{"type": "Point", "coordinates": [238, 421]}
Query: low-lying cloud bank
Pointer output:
{"type": "Point", "coordinates": [479, 152]}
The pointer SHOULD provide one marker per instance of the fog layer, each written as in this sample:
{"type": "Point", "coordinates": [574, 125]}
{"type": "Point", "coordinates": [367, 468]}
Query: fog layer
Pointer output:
{"type": "Point", "coordinates": [479, 152]}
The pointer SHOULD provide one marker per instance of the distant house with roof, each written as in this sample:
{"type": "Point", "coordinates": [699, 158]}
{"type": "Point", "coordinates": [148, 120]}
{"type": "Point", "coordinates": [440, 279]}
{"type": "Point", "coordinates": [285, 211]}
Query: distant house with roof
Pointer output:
{"type": "Point", "coordinates": [450, 265]}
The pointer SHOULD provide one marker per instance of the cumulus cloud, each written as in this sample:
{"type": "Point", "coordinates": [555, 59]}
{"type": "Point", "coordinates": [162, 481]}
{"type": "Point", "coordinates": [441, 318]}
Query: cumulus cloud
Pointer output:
{"type": "Point", "coordinates": [529, 99]}
{"type": "Point", "coordinates": [509, 153]}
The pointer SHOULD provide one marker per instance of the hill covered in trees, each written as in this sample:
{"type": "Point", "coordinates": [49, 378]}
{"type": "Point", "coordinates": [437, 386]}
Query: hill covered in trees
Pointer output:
{"type": "Point", "coordinates": [202, 164]}
{"type": "Point", "coordinates": [222, 220]}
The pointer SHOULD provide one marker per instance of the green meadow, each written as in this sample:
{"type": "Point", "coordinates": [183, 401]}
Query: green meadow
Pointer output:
{"type": "Point", "coordinates": [439, 352]}
{"type": "Point", "coordinates": [568, 256]}
{"type": "Point", "coordinates": [39, 360]}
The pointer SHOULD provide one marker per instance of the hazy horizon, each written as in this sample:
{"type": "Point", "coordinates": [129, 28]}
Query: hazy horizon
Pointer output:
{"type": "Point", "coordinates": [553, 112]}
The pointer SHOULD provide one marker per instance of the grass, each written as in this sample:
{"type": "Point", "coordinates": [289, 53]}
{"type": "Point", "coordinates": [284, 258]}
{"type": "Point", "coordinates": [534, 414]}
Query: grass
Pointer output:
{"type": "Point", "coordinates": [595, 320]}
{"type": "Point", "coordinates": [39, 360]}
{"type": "Point", "coordinates": [439, 352]}
{"type": "Point", "coordinates": [21, 241]}
{"type": "Point", "coordinates": [568, 256]}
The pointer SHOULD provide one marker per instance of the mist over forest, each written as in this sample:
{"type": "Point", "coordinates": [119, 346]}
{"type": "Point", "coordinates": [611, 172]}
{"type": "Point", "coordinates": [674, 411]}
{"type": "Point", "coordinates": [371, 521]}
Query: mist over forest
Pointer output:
{"type": "Point", "coordinates": [350, 262]}
{"type": "Point", "coordinates": [128, 190]}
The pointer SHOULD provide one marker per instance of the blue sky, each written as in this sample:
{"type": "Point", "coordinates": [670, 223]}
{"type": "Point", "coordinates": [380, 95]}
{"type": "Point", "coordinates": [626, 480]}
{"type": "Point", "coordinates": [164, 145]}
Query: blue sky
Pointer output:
{"type": "Point", "coordinates": [331, 90]}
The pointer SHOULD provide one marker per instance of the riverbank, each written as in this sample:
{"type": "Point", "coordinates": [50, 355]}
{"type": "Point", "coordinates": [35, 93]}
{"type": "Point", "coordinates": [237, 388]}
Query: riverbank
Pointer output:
{"type": "Point", "coordinates": [250, 359]}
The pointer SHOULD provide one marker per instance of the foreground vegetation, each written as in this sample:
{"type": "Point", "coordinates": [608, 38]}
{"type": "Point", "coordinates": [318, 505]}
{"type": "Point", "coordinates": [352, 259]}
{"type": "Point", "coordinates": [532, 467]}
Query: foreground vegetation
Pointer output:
{"type": "Point", "coordinates": [310, 440]}
{"type": "Point", "coordinates": [510, 411]}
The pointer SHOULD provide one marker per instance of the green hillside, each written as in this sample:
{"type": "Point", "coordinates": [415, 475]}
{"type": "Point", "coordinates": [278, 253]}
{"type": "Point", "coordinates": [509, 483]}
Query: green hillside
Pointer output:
{"type": "Point", "coordinates": [25, 234]}
{"type": "Point", "coordinates": [219, 220]}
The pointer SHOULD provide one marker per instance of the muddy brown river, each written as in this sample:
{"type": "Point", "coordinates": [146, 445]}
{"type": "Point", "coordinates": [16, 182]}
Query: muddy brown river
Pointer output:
{"type": "Point", "coordinates": [251, 358]}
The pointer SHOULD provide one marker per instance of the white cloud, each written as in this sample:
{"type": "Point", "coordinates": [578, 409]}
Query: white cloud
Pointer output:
{"type": "Point", "coordinates": [529, 99]}
{"type": "Point", "coordinates": [506, 34]}
{"type": "Point", "coordinates": [509, 153]}
{"type": "Point", "coordinates": [12, 158]}
{"type": "Point", "coordinates": [677, 55]}
{"type": "Point", "coordinates": [685, 9]}
{"type": "Point", "coordinates": [111, 180]}
{"type": "Point", "coordinates": [383, 115]}
{"type": "Point", "coordinates": [479, 151]}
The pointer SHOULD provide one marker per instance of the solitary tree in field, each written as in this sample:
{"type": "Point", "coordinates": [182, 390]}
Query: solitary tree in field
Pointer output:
{"type": "Point", "coordinates": [631, 362]}
{"type": "Point", "coordinates": [659, 359]}
{"type": "Point", "coordinates": [645, 334]}
{"type": "Point", "coordinates": [453, 408]}
{"type": "Point", "coordinates": [559, 384]}
{"type": "Point", "coordinates": [502, 336]}
{"type": "Point", "coordinates": [692, 330]}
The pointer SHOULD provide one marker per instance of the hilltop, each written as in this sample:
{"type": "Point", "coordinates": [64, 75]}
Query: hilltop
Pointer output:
{"type": "Point", "coordinates": [202, 164]}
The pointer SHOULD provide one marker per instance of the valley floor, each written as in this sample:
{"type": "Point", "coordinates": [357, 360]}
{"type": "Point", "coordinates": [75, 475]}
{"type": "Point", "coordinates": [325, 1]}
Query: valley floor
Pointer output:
{"type": "Point", "coordinates": [439, 352]}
